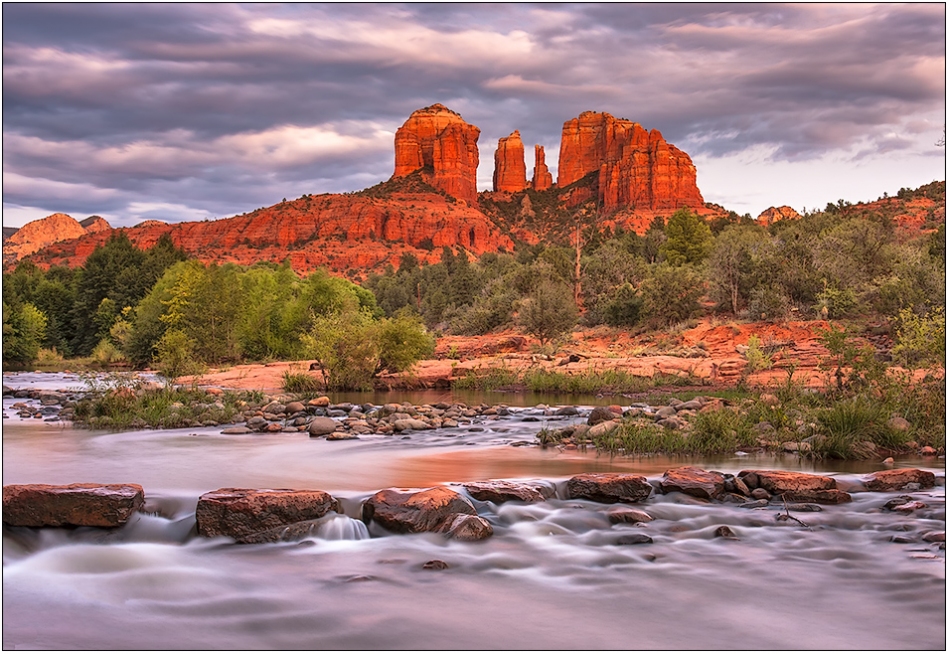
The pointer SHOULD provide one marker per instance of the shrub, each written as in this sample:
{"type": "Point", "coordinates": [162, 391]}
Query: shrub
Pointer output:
{"type": "Point", "coordinates": [757, 359]}
{"type": "Point", "coordinates": [176, 357]}
{"type": "Point", "coordinates": [549, 311]}
{"type": "Point", "coordinates": [921, 340]}
{"type": "Point", "coordinates": [768, 302]}
{"type": "Point", "coordinates": [671, 294]}
{"type": "Point", "coordinates": [849, 424]}
{"type": "Point", "coordinates": [624, 309]}
{"type": "Point", "coordinates": [105, 353]}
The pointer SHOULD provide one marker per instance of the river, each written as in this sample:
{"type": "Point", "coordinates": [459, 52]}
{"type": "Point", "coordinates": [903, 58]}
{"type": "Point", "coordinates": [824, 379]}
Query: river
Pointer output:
{"type": "Point", "coordinates": [554, 576]}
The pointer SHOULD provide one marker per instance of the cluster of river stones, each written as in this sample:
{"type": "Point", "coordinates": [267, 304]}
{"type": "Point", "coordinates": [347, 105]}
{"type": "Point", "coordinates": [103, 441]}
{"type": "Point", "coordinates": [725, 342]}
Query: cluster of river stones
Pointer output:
{"type": "Point", "coordinates": [269, 515]}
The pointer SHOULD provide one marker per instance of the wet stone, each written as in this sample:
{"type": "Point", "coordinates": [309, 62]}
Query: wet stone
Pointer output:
{"type": "Point", "coordinates": [435, 564]}
{"type": "Point", "coordinates": [725, 532]}
{"type": "Point", "coordinates": [902, 539]}
{"type": "Point", "coordinates": [757, 504]}
{"type": "Point", "coordinates": [634, 539]}
{"type": "Point", "coordinates": [935, 537]}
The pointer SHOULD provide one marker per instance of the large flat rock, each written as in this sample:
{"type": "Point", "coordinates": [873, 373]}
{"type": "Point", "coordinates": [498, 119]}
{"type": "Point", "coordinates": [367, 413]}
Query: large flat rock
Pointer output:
{"type": "Point", "coordinates": [894, 480]}
{"type": "Point", "coordinates": [244, 513]}
{"type": "Point", "coordinates": [411, 512]}
{"type": "Point", "coordinates": [498, 491]}
{"type": "Point", "coordinates": [609, 487]}
{"type": "Point", "coordinates": [75, 505]}
{"type": "Point", "coordinates": [693, 481]}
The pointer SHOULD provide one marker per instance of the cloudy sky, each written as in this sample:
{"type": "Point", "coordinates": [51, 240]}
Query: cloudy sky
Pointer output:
{"type": "Point", "coordinates": [184, 112]}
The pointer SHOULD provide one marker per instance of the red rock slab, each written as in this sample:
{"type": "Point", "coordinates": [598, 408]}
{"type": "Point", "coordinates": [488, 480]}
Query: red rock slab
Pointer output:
{"type": "Point", "coordinates": [693, 481]}
{"type": "Point", "coordinates": [779, 482]}
{"type": "Point", "coordinates": [412, 512]}
{"type": "Point", "coordinates": [499, 491]}
{"type": "Point", "coordinates": [241, 513]}
{"type": "Point", "coordinates": [609, 487]}
{"type": "Point", "coordinates": [894, 480]}
{"type": "Point", "coordinates": [75, 505]}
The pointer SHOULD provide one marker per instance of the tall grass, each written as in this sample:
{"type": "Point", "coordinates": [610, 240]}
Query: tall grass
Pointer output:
{"type": "Point", "coordinates": [300, 383]}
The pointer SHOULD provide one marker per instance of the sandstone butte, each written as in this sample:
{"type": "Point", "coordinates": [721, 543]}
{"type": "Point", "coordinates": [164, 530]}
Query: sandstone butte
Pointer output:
{"type": "Point", "coordinates": [510, 172]}
{"type": "Point", "coordinates": [636, 169]}
{"type": "Point", "coordinates": [38, 234]}
{"type": "Point", "coordinates": [773, 214]}
{"type": "Point", "coordinates": [542, 180]}
{"type": "Point", "coordinates": [439, 142]}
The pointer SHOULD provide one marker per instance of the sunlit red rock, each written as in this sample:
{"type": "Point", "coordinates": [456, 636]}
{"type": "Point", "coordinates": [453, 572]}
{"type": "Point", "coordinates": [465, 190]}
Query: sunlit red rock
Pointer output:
{"type": "Point", "coordinates": [542, 180]}
{"type": "Point", "coordinates": [636, 168]}
{"type": "Point", "coordinates": [438, 141]}
{"type": "Point", "coordinates": [510, 171]}
{"type": "Point", "coordinates": [74, 505]}
{"type": "Point", "coordinates": [38, 234]}
{"type": "Point", "coordinates": [773, 214]}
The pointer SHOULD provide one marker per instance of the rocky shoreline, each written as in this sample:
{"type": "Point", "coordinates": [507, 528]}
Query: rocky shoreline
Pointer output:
{"type": "Point", "coordinates": [272, 515]}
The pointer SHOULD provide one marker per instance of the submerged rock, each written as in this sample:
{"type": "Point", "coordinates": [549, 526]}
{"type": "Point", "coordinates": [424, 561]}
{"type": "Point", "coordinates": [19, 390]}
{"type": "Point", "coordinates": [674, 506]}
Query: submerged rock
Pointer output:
{"type": "Point", "coordinates": [499, 491]}
{"type": "Point", "coordinates": [74, 505]}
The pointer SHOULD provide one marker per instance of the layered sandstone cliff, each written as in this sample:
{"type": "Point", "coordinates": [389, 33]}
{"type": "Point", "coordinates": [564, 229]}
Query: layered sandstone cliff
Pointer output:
{"type": "Point", "coordinates": [542, 180]}
{"type": "Point", "coordinates": [636, 169]}
{"type": "Point", "coordinates": [439, 142]}
{"type": "Point", "coordinates": [510, 171]}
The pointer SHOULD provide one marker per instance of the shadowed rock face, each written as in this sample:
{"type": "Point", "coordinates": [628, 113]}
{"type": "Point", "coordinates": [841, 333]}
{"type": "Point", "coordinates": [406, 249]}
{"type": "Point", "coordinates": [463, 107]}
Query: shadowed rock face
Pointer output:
{"type": "Point", "coordinates": [75, 505]}
{"type": "Point", "coordinates": [246, 514]}
{"type": "Point", "coordinates": [439, 141]}
{"type": "Point", "coordinates": [637, 169]}
{"type": "Point", "coordinates": [510, 171]}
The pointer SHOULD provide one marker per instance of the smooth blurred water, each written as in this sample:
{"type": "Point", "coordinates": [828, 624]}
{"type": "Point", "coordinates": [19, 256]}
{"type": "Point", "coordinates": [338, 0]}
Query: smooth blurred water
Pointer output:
{"type": "Point", "coordinates": [556, 575]}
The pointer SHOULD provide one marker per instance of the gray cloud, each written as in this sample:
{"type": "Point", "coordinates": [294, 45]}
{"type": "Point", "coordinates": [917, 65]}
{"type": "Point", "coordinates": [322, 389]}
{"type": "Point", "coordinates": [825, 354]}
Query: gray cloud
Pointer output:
{"type": "Point", "coordinates": [222, 108]}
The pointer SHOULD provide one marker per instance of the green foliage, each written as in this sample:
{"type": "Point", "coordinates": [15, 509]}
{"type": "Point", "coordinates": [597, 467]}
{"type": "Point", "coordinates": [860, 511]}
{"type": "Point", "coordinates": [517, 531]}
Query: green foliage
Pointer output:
{"type": "Point", "coordinates": [300, 383]}
{"type": "Point", "coordinates": [624, 308]}
{"type": "Point", "coordinates": [106, 353]}
{"type": "Point", "coordinates": [24, 329]}
{"type": "Point", "coordinates": [732, 265]}
{"type": "Point", "coordinates": [548, 312]}
{"type": "Point", "coordinates": [849, 424]}
{"type": "Point", "coordinates": [403, 341]}
{"type": "Point", "coordinates": [688, 239]}
{"type": "Point", "coordinates": [768, 302]}
{"type": "Point", "coordinates": [835, 303]}
{"type": "Point", "coordinates": [757, 359]}
{"type": "Point", "coordinates": [921, 340]}
{"type": "Point", "coordinates": [671, 294]}
{"type": "Point", "coordinates": [176, 356]}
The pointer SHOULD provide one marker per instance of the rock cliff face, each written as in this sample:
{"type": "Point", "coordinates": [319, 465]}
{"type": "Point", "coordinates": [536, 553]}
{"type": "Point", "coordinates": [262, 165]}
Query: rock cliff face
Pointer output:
{"type": "Point", "coordinates": [38, 234]}
{"type": "Point", "coordinates": [543, 180]}
{"type": "Point", "coordinates": [438, 141]}
{"type": "Point", "coordinates": [637, 169]}
{"type": "Point", "coordinates": [348, 234]}
{"type": "Point", "coordinates": [510, 171]}
{"type": "Point", "coordinates": [774, 214]}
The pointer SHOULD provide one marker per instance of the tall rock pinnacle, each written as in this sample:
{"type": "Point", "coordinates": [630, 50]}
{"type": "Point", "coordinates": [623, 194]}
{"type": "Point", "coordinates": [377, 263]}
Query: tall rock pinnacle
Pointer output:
{"type": "Point", "coordinates": [636, 168]}
{"type": "Point", "coordinates": [510, 172]}
{"type": "Point", "coordinates": [543, 180]}
{"type": "Point", "coordinates": [440, 143]}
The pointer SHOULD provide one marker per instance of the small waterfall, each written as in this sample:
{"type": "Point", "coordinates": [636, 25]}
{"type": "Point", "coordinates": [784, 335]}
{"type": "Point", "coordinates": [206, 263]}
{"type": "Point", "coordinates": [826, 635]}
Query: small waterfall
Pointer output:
{"type": "Point", "coordinates": [341, 527]}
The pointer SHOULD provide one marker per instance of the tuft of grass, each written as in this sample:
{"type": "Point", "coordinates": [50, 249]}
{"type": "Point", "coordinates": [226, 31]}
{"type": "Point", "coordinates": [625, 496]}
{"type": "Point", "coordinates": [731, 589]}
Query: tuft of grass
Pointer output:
{"type": "Point", "coordinates": [300, 383]}
{"type": "Point", "coordinates": [848, 426]}
{"type": "Point", "coordinates": [490, 379]}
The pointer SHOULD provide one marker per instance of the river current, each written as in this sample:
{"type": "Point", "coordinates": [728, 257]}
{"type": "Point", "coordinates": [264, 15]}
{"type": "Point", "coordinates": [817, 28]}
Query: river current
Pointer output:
{"type": "Point", "coordinates": [555, 575]}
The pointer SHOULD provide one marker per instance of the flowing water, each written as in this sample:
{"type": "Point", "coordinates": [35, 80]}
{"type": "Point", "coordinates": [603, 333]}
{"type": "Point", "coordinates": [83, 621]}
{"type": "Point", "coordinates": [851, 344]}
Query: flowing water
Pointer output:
{"type": "Point", "coordinates": [556, 575]}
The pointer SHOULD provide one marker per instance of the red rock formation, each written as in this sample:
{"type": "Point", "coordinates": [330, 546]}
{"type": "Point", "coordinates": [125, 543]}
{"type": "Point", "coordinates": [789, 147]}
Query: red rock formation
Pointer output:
{"type": "Point", "coordinates": [95, 224]}
{"type": "Point", "coordinates": [37, 234]}
{"type": "Point", "coordinates": [637, 169]}
{"type": "Point", "coordinates": [351, 234]}
{"type": "Point", "coordinates": [510, 172]}
{"type": "Point", "coordinates": [543, 180]}
{"type": "Point", "coordinates": [439, 141]}
{"type": "Point", "coordinates": [774, 214]}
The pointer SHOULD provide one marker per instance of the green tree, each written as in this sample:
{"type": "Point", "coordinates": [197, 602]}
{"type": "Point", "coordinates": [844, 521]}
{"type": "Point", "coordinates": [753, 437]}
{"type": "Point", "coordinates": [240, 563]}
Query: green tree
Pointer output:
{"type": "Point", "coordinates": [24, 328]}
{"type": "Point", "coordinates": [732, 265]}
{"type": "Point", "coordinates": [548, 312]}
{"type": "Point", "coordinates": [671, 294]}
{"type": "Point", "coordinates": [688, 239]}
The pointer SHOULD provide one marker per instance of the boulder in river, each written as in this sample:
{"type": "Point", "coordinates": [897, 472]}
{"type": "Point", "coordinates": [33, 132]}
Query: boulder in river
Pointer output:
{"type": "Point", "coordinates": [244, 513]}
{"type": "Point", "coordinates": [609, 487]}
{"type": "Point", "coordinates": [693, 481]}
{"type": "Point", "coordinates": [797, 486]}
{"type": "Point", "coordinates": [320, 426]}
{"type": "Point", "coordinates": [75, 505]}
{"type": "Point", "coordinates": [499, 491]}
{"type": "Point", "coordinates": [411, 512]}
{"type": "Point", "coordinates": [894, 480]}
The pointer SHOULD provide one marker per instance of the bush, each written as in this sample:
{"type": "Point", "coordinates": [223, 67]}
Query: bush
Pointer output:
{"type": "Point", "coordinates": [921, 340]}
{"type": "Point", "coordinates": [105, 353]}
{"type": "Point", "coordinates": [849, 425]}
{"type": "Point", "coordinates": [768, 302]}
{"type": "Point", "coordinates": [549, 311]}
{"type": "Point", "coordinates": [176, 357]}
{"type": "Point", "coordinates": [624, 309]}
{"type": "Point", "coordinates": [300, 383]}
{"type": "Point", "coordinates": [836, 303]}
{"type": "Point", "coordinates": [671, 294]}
{"type": "Point", "coordinates": [689, 239]}
{"type": "Point", "coordinates": [24, 329]}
